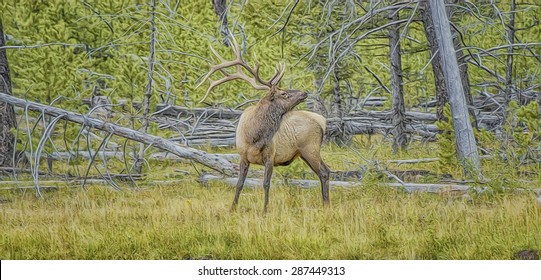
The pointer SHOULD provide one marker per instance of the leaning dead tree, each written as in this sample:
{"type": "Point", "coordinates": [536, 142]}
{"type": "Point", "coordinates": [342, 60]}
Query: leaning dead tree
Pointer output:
{"type": "Point", "coordinates": [7, 114]}
{"type": "Point", "coordinates": [212, 161]}
{"type": "Point", "coordinates": [465, 140]}
{"type": "Point", "coordinates": [437, 67]}
{"type": "Point", "coordinates": [462, 67]}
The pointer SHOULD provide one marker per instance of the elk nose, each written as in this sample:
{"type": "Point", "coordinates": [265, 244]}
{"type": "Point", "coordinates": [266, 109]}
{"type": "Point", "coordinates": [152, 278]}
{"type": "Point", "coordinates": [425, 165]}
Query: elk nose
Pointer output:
{"type": "Point", "coordinates": [304, 95]}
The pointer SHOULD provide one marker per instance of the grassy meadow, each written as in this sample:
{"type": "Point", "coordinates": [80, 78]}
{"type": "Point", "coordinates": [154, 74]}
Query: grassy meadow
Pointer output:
{"type": "Point", "coordinates": [179, 218]}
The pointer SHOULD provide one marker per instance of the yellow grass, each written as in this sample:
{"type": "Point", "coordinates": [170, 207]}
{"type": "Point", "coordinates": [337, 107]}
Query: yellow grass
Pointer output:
{"type": "Point", "coordinates": [191, 221]}
{"type": "Point", "coordinates": [186, 220]}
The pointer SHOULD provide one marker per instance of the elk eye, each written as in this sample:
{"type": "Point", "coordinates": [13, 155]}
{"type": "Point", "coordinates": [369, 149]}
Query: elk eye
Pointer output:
{"type": "Point", "coordinates": [285, 95]}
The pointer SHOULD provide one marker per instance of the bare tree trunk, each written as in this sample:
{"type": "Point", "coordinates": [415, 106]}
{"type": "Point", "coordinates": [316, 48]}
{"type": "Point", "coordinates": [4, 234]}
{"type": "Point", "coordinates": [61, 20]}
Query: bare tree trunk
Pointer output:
{"type": "Point", "coordinates": [315, 103]}
{"type": "Point", "coordinates": [465, 140]}
{"type": "Point", "coordinates": [7, 114]}
{"type": "Point", "coordinates": [509, 71]}
{"type": "Point", "coordinates": [138, 165]}
{"type": "Point", "coordinates": [220, 8]}
{"type": "Point", "coordinates": [464, 77]}
{"type": "Point", "coordinates": [437, 68]}
{"type": "Point", "coordinates": [399, 116]}
{"type": "Point", "coordinates": [213, 161]}
{"type": "Point", "coordinates": [463, 66]}
{"type": "Point", "coordinates": [340, 133]}
{"type": "Point", "coordinates": [337, 107]}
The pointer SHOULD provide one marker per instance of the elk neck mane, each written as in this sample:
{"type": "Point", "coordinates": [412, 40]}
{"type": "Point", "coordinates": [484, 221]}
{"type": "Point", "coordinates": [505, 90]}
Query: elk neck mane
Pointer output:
{"type": "Point", "coordinates": [265, 120]}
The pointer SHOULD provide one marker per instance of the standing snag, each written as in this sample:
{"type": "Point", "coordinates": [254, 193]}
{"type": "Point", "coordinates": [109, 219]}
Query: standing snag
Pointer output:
{"type": "Point", "coordinates": [7, 114]}
{"type": "Point", "coordinates": [270, 133]}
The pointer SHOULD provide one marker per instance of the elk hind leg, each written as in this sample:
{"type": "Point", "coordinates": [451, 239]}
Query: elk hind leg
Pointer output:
{"type": "Point", "coordinates": [322, 170]}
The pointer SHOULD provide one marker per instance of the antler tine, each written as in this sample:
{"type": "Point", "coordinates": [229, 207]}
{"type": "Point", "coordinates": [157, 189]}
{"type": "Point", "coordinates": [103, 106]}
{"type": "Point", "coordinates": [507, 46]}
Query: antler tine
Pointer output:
{"type": "Point", "coordinates": [254, 71]}
{"type": "Point", "coordinates": [236, 48]}
{"type": "Point", "coordinates": [208, 90]}
{"type": "Point", "coordinates": [255, 81]}
{"type": "Point", "coordinates": [230, 77]}
{"type": "Point", "coordinates": [212, 68]}
{"type": "Point", "coordinates": [223, 63]}
{"type": "Point", "coordinates": [278, 74]}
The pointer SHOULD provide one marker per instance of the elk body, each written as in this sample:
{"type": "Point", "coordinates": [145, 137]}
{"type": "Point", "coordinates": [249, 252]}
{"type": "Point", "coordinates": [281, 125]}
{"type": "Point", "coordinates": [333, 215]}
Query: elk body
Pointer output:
{"type": "Point", "coordinates": [271, 133]}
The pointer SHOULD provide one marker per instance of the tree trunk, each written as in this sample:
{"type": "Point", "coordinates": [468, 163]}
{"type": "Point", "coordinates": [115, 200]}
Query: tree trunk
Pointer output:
{"type": "Point", "coordinates": [215, 162]}
{"type": "Point", "coordinates": [400, 140]}
{"type": "Point", "coordinates": [7, 114]}
{"type": "Point", "coordinates": [465, 140]}
{"type": "Point", "coordinates": [138, 165]}
{"type": "Point", "coordinates": [509, 71]}
{"type": "Point", "coordinates": [315, 103]}
{"type": "Point", "coordinates": [464, 77]}
{"type": "Point", "coordinates": [340, 133]}
{"type": "Point", "coordinates": [437, 68]}
{"type": "Point", "coordinates": [336, 106]}
{"type": "Point", "coordinates": [463, 66]}
{"type": "Point", "coordinates": [220, 8]}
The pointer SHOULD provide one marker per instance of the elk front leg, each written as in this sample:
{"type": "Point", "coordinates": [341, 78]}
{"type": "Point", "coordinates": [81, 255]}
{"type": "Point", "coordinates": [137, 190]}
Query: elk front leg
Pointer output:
{"type": "Point", "coordinates": [244, 165]}
{"type": "Point", "coordinates": [269, 165]}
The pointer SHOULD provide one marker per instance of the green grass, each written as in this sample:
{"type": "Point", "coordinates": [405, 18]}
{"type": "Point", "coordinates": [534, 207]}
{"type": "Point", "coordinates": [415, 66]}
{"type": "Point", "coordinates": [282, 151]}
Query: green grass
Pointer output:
{"type": "Point", "coordinates": [185, 220]}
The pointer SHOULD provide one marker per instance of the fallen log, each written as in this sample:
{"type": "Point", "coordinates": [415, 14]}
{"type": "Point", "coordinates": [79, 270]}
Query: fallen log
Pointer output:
{"type": "Point", "coordinates": [178, 111]}
{"type": "Point", "coordinates": [50, 183]}
{"type": "Point", "coordinates": [164, 155]}
{"type": "Point", "coordinates": [419, 160]}
{"type": "Point", "coordinates": [256, 182]}
{"type": "Point", "coordinates": [407, 187]}
{"type": "Point", "coordinates": [215, 162]}
{"type": "Point", "coordinates": [120, 155]}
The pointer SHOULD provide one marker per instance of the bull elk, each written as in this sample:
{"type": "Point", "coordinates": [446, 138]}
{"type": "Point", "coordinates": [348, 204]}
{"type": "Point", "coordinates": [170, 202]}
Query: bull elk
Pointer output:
{"type": "Point", "coordinates": [270, 133]}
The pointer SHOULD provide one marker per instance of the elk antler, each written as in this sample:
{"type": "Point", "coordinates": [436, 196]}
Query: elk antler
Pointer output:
{"type": "Point", "coordinates": [255, 81]}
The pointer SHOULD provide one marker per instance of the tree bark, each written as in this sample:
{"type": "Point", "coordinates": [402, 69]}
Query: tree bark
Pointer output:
{"type": "Point", "coordinates": [215, 162]}
{"type": "Point", "coordinates": [437, 68]}
{"type": "Point", "coordinates": [7, 114]}
{"type": "Point", "coordinates": [464, 77]}
{"type": "Point", "coordinates": [465, 140]}
{"type": "Point", "coordinates": [462, 65]}
{"type": "Point", "coordinates": [400, 140]}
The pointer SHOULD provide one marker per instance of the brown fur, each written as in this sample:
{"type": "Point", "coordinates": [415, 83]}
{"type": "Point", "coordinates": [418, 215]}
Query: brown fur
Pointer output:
{"type": "Point", "coordinates": [271, 134]}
